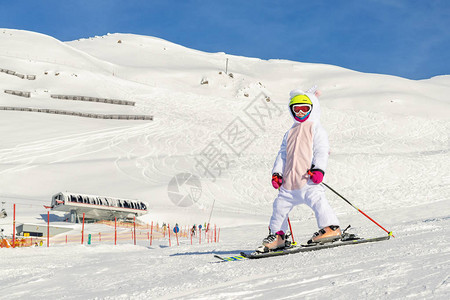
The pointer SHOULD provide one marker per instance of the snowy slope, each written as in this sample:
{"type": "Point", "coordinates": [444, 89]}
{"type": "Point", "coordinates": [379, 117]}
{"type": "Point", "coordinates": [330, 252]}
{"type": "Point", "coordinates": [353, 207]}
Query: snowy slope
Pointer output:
{"type": "Point", "coordinates": [390, 156]}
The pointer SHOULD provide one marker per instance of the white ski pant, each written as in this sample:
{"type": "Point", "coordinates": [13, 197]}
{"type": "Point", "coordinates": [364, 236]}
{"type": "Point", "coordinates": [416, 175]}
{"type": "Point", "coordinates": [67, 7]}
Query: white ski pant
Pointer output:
{"type": "Point", "coordinates": [312, 195]}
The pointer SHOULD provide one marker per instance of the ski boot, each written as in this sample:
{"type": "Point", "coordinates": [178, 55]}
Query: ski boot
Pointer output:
{"type": "Point", "coordinates": [273, 242]}
{"type": "Point", "coordinates": [326, 235]}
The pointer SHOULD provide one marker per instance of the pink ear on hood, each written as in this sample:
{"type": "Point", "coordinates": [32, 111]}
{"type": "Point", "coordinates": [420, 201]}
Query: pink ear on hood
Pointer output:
{"type": "Point", "coordinates": [317, 93]}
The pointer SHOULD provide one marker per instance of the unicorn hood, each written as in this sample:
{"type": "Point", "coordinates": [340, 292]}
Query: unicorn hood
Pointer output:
{"type": "Point", "coordinates": [311, 94]}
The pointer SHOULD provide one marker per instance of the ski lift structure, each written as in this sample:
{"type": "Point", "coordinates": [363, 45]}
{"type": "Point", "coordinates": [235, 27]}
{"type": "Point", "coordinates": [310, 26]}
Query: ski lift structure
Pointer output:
{"type": "Point", "coordinates": [97, 208]}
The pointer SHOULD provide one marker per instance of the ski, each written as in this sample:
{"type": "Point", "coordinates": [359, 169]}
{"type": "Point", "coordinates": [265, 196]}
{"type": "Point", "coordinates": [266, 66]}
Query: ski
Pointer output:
{"type": "Point", "coordinates": [230, 258]}
{"type": "Point", "coordinates": [314, 247]}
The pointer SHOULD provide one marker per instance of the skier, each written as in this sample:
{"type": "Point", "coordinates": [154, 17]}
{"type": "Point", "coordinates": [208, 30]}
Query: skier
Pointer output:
{"type": "Point", "coordinates": [304, 151]}
{"type": "Point", "coordinates": [3, 213]}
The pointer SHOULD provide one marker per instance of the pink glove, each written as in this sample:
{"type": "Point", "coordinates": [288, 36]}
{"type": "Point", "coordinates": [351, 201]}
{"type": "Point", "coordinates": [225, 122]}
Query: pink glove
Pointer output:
{"type": "Point", "coordinates": [316, 175]}
{"type": "Point", "coordinates": [277, 180]}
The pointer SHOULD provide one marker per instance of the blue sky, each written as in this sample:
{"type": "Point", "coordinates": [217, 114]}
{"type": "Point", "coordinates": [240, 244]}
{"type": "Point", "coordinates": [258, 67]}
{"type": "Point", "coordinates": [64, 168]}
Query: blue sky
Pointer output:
{"type": "Point", "coordinates": [407, 38]}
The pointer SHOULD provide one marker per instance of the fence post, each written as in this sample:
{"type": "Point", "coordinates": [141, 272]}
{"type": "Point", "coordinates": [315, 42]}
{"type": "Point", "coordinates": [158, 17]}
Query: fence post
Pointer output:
{"type": "Point", "coordinates": [115, 230]}
{"type": "Point", "coordinates": [82, 231]}
{"type": "Point", "coordinates": [14, 227]}
{"type": "Point", "coordinates": [48, 229]}
{"type": "Point", "coordinates": [135, 230]}
{"type": "Point", "coordinates": [151, 235]}
{"type": "Point", "coordinates": [170, 242]}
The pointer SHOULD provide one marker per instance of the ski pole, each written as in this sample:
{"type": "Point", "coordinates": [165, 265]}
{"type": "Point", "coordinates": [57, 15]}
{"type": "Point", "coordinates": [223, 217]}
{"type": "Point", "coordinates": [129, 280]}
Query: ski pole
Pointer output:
{"type": "Point", "coordinates": [388, 232]}
{"type": "Point", "coordinates": [290, 228]}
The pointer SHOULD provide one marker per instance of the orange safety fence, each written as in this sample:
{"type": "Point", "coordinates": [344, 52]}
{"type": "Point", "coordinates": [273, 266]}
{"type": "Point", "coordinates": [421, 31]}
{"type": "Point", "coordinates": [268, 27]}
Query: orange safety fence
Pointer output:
{"type": "Point", "coordinates": [22, 242]}
{"type": "Point", "coordinates": [99, 237]}
{"type": "Point", "coordinates": [121, 232]}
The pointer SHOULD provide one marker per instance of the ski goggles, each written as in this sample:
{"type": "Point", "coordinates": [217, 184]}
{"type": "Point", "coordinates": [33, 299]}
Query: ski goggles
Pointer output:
{"type": "Point", "coordinates": [301, 108]}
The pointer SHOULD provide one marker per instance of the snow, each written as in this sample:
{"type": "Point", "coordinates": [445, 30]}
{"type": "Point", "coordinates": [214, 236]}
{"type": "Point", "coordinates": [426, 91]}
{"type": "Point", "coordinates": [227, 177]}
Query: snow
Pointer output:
{"type": "Point", "coordinates": [389, 157]}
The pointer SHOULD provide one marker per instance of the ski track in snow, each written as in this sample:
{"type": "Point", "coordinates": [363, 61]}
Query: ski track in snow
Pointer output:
{"type": "Point", "coordinates": [38, 152]}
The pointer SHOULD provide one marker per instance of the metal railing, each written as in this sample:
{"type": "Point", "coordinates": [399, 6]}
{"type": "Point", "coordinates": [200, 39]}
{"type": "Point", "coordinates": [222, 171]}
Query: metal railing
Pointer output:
{"type": "Point", "coordinates": [93, 99]}
{"type": "Point", "coordinates": [14, 73]}
{"type": "Point", "coordinates": [78, 114]}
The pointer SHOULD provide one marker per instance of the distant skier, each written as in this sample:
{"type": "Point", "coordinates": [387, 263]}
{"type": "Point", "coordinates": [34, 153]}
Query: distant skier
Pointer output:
{"type": "Point", "coordinates": [304, 148]}
{"type": "Point", "coordinates": [3, 213]}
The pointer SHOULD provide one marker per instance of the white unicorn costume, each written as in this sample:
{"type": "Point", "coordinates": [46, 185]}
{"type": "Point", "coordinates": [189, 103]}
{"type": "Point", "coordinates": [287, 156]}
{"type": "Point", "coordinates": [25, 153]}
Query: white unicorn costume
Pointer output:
{"type": "Point", "coordinates": [304, 147]}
